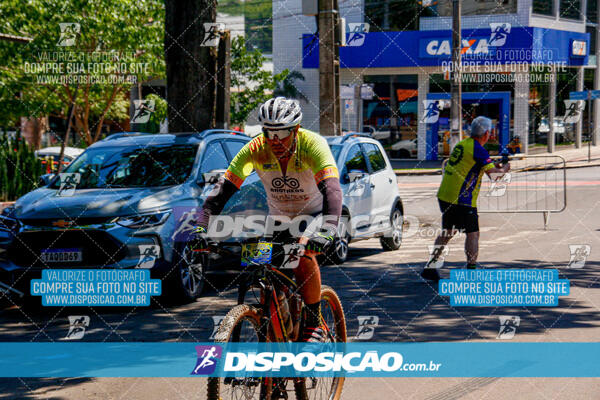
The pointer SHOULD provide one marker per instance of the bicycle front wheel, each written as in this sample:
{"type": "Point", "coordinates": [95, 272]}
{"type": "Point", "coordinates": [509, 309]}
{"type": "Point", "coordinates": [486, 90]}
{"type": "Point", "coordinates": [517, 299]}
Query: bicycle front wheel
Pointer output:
{"type": "Point", "coordinates": [241, 324]}
{"type": "Point", "coordinates": [326, 388]}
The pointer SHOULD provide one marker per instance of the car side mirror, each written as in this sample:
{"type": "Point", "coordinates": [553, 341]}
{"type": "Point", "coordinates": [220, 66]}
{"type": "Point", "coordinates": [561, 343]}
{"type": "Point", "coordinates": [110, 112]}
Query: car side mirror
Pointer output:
{"type": "Point", "coordinates": [354, 175]}
{"type": "Point", "coordinates": [45, 179]}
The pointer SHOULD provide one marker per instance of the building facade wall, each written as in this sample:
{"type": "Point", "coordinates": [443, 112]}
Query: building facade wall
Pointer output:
{"type": "Point", "coordinates": [290, 25]}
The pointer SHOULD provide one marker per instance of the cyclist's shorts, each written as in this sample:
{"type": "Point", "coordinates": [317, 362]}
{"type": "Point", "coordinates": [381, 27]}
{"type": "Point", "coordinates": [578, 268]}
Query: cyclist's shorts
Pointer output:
{"type": "Point", "coordinates": [459, 217]}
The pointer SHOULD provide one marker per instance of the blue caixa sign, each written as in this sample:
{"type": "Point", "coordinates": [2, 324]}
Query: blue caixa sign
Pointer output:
{"type": "Point", "coordinates": [479, 46]}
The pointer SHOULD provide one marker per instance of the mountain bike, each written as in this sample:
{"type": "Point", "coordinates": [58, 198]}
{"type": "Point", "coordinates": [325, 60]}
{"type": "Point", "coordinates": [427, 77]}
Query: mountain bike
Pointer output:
{"type": "Point", "coordinates": [276, 313]}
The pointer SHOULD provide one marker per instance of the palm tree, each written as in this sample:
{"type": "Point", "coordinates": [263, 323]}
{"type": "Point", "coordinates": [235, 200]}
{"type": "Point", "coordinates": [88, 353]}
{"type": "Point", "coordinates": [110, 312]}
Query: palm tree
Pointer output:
{"type": "Point", "coordinates": [288, 89]}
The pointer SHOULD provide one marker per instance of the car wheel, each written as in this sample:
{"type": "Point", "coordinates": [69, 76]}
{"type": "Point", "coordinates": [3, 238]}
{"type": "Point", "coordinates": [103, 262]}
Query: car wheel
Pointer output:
{"type": "Point", "coordinates": [188, 275]}
{"type": "Point", "coordinates": [338, 254]}
{"type": "Point", "coordinates": [393, 241]}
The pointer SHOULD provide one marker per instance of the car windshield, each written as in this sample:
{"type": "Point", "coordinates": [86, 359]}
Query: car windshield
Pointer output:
{"type": "Point", "coordinates": [132, 166]}
{"type": "Point", "coordinates": [335, 150]}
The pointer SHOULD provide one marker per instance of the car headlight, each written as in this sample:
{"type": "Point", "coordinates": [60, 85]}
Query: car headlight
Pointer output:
{"type": "Point", "coordinates": [144, 220]}
{"type": "Point", "coordinates": [8, 224]}
{"type": "Point", "coordinates": [7, 211]}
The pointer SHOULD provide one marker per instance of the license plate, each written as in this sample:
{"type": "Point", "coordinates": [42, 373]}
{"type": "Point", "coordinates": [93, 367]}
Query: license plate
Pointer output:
{"type": "Point", "coordinates": [61, 255]}
{"type": "Point", "coordinates": [256, 253]}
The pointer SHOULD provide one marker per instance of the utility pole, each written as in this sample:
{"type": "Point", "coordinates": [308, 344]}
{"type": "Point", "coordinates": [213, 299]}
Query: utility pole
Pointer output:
{"type": "Point", "coordinates": [456, 82]}
{"type": "Point", "coordinates": [552, 110]}
{"type": "Point", "coordinates": [596, 121]}
{"type": "Point", "coordinates": [65, 142]}
{"type": "Point", "coordinates": [190, 65]}
{"type": "Point", "coordinates": [223, 82]}
{"type": "Point", "coordinates": [329, 65]}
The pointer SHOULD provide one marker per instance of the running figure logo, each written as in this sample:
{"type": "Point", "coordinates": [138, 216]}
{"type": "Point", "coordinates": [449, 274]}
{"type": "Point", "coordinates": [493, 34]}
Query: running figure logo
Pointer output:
{"type": "Point", "coordinates": [574, 109]}
{"type": "Point", "coordinates": [207, 359]}
{"type": "Point", "coordinates": [68, 183]}
{"type": "Point", "coordinates": [432, 111]}
{"type": "Point", "coordinates": [68, 33]}
{"type": "Point", "coordinates": [149, 253]}
{"type": "Point", "coordinates": [142, 111]}
{"type": "Point", "coordinates": [217, 319]}
{"type": "Point", "coordinates": [211, 34]}
{"type": "Point", "coordinates": [499, 185]}
{"type": "Point", "coordinates": [357, 34]}
{"type": "Point", "coordinates": [366, 327]}
{"type": "Point", "coordinates": [77, 325]}
{"type": "Point", "coordinates": [500, 32]}
{"type": "Point", "coordinates": [437, 253]}
{"type": "Point", "coordinates": [185, 225]}
{"type": "Point", "coordinates": [579, 254]}
{"type": "Point", "coordinates": [508, 326]}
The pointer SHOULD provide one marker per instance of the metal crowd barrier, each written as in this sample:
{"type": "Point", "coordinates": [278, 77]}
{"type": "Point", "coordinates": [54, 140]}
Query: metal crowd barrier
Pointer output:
{"type": "Point", "coordinates": [535, 184]}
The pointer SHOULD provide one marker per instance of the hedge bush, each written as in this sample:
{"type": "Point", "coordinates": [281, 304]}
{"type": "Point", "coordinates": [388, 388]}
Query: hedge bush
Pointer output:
{"type": "Point", "coordinates": [19, 168]}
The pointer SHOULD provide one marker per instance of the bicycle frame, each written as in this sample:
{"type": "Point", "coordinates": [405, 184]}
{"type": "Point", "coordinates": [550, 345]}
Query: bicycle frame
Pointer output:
{"type": "Point", "coordinates": [271, 280]}
{"type": "Point", "coordinates": [272, 318]}
{"type": "Point", "coordinates": [267, 277]}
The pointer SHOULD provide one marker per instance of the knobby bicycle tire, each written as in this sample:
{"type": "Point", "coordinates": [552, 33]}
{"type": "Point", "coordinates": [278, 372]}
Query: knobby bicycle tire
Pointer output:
{"type": "Point", "coordinates": [237, 314]}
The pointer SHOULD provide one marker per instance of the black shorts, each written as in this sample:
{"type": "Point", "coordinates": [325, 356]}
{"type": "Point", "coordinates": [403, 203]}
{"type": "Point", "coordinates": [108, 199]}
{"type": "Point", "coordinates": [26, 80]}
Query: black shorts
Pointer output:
{"type": "Point", "coordinates": [457, 216]}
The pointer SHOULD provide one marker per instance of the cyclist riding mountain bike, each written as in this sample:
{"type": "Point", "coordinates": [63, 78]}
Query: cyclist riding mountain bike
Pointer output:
{"type": "Point", "coordinates": [300, 177]}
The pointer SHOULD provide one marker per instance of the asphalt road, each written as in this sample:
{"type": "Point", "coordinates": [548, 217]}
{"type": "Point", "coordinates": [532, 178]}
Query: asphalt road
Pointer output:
{"type": "Point", "coordinates": [382, 284]}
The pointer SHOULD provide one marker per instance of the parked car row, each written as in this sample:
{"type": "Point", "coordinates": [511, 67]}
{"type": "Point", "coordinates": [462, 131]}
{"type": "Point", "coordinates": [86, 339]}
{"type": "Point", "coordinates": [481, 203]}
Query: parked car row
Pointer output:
{"type": "Point", "coordinates": [49, 156]}
{"type": "Point", "coordinates": [132, 196]}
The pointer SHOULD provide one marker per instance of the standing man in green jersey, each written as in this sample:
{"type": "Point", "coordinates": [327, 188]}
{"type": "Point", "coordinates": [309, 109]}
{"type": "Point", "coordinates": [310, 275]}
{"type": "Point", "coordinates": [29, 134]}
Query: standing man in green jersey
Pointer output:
{"type": "Point", "coordinates": [458, 193]}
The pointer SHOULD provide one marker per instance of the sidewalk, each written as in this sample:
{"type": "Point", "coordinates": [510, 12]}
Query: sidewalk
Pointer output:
{"type": "Point", "coordinates": [575, 158]}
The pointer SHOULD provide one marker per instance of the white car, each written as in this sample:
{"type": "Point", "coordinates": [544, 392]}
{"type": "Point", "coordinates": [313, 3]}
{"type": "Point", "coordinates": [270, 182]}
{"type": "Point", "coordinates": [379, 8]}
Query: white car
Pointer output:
{"type": "Point", "coordinates": [408, 148]}
{"type": "Point", "coordinates": [379, 134]}
{"type": "Point", "coordinates": [70, 154]}
{"type": "Point", "coordinates": [372, 206]}
{"type": "Point", "coordinates": [404, 149]}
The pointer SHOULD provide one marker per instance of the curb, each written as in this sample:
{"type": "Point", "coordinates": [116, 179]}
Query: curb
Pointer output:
{"type": "Point", "coordinates": [409, 172]}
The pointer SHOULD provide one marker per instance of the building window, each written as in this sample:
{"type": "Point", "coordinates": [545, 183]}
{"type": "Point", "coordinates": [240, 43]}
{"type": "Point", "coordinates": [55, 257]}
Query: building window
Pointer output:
{"type": "Point", "coordinates": [396, 15]}
{"type": "Point", "coordinates": [592, 12]}
{"type": "Point", "coordinates": [480, 7]}
{"type": "Point", "coordinates": [544, 7]}
{"type": "Point", "coordinates": [251, 19]}
{"type": "Point", "coordinates": [592, 46]}
{"type": "Point", "coordinates": [570, 9]}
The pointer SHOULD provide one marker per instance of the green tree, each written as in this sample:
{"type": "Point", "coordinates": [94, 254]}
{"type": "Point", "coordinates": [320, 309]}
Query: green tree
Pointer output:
{"type": "Point", "coordinates": [116, 44]}
{"type": "Point", "coordinates": [287, 88]}
{"type": "Point", "coordinates": [251, 84]}
{"type": "Point", "coordinates": [158, 116]}
{"type": "Point", "coordinates": [258, 21]}
{"type": "Point", "coordinates": [19, 169]}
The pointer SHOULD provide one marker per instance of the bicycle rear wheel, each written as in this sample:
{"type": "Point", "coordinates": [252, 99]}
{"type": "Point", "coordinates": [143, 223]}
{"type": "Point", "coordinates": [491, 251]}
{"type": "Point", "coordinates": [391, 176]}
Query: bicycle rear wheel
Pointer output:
{"type": "Point", "coordinates": [326, 388]}
{"type": "Point", "coordinates": [241, 324]}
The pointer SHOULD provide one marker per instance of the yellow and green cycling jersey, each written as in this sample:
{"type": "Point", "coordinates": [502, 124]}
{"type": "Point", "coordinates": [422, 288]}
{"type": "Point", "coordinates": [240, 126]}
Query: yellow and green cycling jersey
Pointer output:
{"type": "Point", "coordinates": [295, 192]}
{"type": "Point", "coordinates": [463, 173]}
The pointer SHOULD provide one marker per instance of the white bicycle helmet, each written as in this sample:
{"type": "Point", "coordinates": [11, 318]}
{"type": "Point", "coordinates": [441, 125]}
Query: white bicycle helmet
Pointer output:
{"type": "Point", "coordinates": [280, 113]}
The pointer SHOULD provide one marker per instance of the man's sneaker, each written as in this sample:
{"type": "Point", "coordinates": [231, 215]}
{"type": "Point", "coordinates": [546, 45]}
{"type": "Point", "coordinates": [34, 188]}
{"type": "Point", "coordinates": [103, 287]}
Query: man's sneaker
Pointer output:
{"type": "Point", "coordinates": [431, 274]}
{"type": "Point", "coordinates": [310, 334]}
